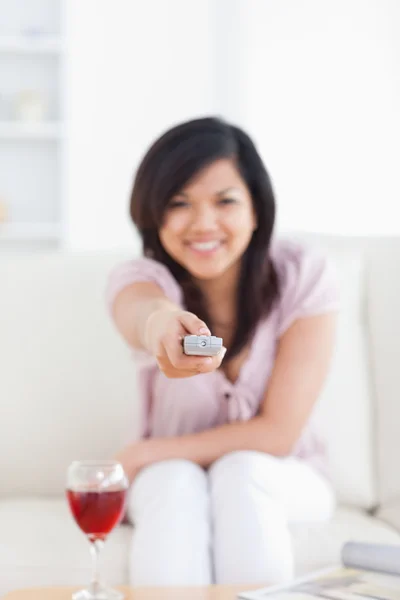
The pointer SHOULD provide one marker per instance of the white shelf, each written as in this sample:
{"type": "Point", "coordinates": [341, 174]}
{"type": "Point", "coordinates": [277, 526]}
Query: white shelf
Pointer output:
{"type": "Point", "coordinates": [33, 54]}
{"type": "Point", "coordinates": [30, 44]}
{"type": "Point", "coordinates": [14, 232]}
{"type": "Point", "coordinates": [41, 131]}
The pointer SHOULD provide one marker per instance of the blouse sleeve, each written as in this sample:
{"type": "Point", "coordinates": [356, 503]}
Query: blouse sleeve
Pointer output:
{"type": "Point", "coordinates": [309, 285]}
{"type": "Point", "coordinates": [142, 270]}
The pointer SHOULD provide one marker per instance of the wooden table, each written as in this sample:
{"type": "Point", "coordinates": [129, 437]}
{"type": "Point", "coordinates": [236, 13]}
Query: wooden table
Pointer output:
{"type": "Point", "coordinates": [213, 592]}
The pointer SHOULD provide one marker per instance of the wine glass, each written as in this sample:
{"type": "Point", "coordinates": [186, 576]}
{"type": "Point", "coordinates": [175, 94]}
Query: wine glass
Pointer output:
{"type": "Point", "coordinates": [96, 493]}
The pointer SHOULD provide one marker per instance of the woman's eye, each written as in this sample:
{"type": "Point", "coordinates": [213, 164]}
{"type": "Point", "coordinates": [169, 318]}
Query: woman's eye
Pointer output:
{"type": "Point", "coordinates": [177, 204]}
{"type": "Point", "coordinates": [227, 201]}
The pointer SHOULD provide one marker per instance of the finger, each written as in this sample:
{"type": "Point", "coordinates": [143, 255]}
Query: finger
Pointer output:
{"type": "Point", "coordinates": [170, 370]}
{"type": "Point", "coordinates": [220, 356]}
{"type": "Point", "coordinates": [189, 363]}
{"type": "Point", "coordinates": [171, 353]}
{"type": "Point", "coordinates": [189, 369]}
{"type": "Point", "coordinates": [204, 364]}
{"type": "Point", "coordinates": [172, 373]}
{"type": "Point", "coordinates": [193, 324]}
{"type": "Point", "coordinates": [215, 361]}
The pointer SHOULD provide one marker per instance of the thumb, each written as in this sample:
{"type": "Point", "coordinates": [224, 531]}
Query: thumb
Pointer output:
{"type": "Point", "coordinates": [193, 324]}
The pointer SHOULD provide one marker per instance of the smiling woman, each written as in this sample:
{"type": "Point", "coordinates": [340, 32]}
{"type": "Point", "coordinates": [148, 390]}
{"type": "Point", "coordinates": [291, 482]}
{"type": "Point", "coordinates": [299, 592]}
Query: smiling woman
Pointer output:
{"type": "Point", "coordinates": [228, 456]}
{"type": "Point", "coordinates": [197, 164]}
{"type": "Point", "coordinates": [207, 229]}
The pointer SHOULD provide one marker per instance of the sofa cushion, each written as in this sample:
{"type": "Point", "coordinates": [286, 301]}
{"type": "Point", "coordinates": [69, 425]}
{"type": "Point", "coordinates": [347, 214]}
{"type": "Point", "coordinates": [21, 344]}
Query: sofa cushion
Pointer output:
{"type": "Point", "coordinates": [317, 545]}
{"type": "Point", "coordinates": [384, 321]}
{"type": "Point", "coordinates": [390, 514]}
{"type": "Point", "coordinates": [67, 380]}
{"type": "Point", "coordinates": [345, 412]}
{"type": "Point", "coordinates": [41, 545]}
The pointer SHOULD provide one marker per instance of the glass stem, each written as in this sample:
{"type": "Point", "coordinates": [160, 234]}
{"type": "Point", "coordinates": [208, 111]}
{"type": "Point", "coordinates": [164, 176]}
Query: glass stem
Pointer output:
{"type": "Point", "coordinates": [95, 547]}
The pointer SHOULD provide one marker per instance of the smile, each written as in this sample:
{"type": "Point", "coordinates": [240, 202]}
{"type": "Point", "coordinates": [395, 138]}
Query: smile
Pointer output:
{"type": "Point", "coordinates": [205, 246]}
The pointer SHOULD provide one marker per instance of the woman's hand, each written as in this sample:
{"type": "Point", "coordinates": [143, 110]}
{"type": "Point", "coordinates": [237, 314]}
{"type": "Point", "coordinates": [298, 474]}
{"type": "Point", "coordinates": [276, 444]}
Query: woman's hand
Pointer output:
{"type": "Point", "coordinates": [139, 454]}
{"type": "Point", "coordinates": [164, 333]}
{"type": "Point", "coordinates": [132, 458]}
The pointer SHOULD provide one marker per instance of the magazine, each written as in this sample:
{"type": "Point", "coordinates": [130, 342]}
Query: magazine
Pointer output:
{"type": "Point", "coordinates": [370, 571]}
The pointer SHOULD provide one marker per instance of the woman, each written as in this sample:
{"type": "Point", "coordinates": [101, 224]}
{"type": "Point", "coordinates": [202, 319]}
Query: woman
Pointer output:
{"type": "Point", "coordinates": [228, 459]}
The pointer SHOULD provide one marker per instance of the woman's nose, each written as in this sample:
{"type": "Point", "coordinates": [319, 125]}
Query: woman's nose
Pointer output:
{"type": "Point", "coordinates": [204, 217]}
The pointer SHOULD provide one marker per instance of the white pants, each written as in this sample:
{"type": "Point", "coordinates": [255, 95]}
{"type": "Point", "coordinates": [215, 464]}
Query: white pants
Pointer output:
{"type": "Point", "coordinates": [225, 525]}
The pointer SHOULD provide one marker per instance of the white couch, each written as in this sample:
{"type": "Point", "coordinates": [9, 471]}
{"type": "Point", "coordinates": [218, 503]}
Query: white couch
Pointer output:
{"type": "Point", "coordinates": [68, 392]}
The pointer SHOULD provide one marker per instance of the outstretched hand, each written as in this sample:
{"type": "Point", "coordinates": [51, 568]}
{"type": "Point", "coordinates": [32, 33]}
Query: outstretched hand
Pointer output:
{"type": "Point", "coordinates": [164, 333]}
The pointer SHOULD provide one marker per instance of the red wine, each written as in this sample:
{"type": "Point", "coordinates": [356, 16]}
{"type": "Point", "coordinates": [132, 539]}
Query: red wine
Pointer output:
{"type": "Point", "coordinates": [97, 513]}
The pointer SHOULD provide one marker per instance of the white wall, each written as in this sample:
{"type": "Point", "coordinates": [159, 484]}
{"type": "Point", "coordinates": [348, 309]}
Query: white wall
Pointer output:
{"type": "Point", "coordinates": [316, 82]}
{"type": "Point", "coordinates": [321, 96]}
{"type": "Point", "coordinates": [134, 69]}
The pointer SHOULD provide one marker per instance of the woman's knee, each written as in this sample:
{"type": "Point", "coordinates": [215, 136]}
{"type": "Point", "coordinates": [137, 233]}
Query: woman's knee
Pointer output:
{"type": "Point", "coordinates": [251, 536]}
{"type": "Point", "coordinates": [238, 471]}
{"type": "Point", "coordinates": [169, 509]}
{"type": "Point", "coordinates": [251, 476]}
{"type": "Point", "coordinates": [168, 484]}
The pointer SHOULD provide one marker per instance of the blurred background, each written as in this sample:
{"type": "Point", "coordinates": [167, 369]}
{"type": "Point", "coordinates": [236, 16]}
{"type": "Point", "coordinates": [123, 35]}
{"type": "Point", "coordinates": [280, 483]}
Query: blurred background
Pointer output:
{"type": "Point", "coordinates": [86, 86]}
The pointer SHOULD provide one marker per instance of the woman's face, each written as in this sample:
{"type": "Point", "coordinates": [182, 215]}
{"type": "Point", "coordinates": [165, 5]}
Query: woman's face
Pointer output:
{"type": "Point", "coordinates": [209, 224]}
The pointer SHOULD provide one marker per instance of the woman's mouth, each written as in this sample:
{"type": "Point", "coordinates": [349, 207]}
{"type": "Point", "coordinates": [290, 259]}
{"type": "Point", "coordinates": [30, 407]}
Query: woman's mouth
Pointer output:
{"type": "Point", "coordinates": [205, 247]}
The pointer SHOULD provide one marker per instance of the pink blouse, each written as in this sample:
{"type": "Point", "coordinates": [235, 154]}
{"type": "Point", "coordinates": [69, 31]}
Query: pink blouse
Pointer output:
{"type": "Point", "coordinates": [180, 406]}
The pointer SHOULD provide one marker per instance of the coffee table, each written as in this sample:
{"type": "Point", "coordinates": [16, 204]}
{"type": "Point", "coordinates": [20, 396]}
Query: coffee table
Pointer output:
{"type": "Point", "coordinates": [213, 592]}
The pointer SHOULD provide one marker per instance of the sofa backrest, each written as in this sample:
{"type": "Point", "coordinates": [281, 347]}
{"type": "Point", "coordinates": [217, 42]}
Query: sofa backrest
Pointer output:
{"type": "Point", "coordinates": [362, 392]}
{"type": "Point", "coordinates": [68, 387]}
{"type": "Point", "coordinates": [67, 381]}
{"type": "Point", "coordinates": [384, 331]}
{"type": "Point", "coordinates": [345, 411]}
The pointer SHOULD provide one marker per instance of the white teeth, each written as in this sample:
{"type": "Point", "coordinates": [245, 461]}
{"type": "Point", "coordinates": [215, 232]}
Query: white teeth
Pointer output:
{"type": "Point", "coordinates": [205, 246]}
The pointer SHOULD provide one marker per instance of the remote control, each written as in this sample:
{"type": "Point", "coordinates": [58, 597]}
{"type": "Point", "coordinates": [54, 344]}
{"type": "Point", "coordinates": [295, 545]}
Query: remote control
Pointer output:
{"type": "Point", "coordinates": [202, 345]}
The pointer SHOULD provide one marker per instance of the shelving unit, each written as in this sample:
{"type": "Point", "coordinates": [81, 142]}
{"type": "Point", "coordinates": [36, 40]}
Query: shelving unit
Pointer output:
{"type": "Point", "coordinates": [30, 44]}
{"type": "Point", "coordinates": [10, 130]}
{"type": "Point", "coordinates": [49, 232]}
{"type": "Point", "coordinates": [32, 54]}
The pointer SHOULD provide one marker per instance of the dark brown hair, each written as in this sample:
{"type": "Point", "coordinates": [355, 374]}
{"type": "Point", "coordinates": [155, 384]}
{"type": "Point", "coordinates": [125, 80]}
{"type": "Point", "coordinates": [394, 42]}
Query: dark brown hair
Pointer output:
{"type": "Point", "coordinates": [170, 163]}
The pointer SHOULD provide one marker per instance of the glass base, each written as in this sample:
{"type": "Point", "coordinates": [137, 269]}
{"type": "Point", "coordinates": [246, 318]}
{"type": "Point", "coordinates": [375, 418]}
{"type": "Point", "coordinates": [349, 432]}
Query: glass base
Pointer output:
{"type": "Point", "coordinates": [98, 592]}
